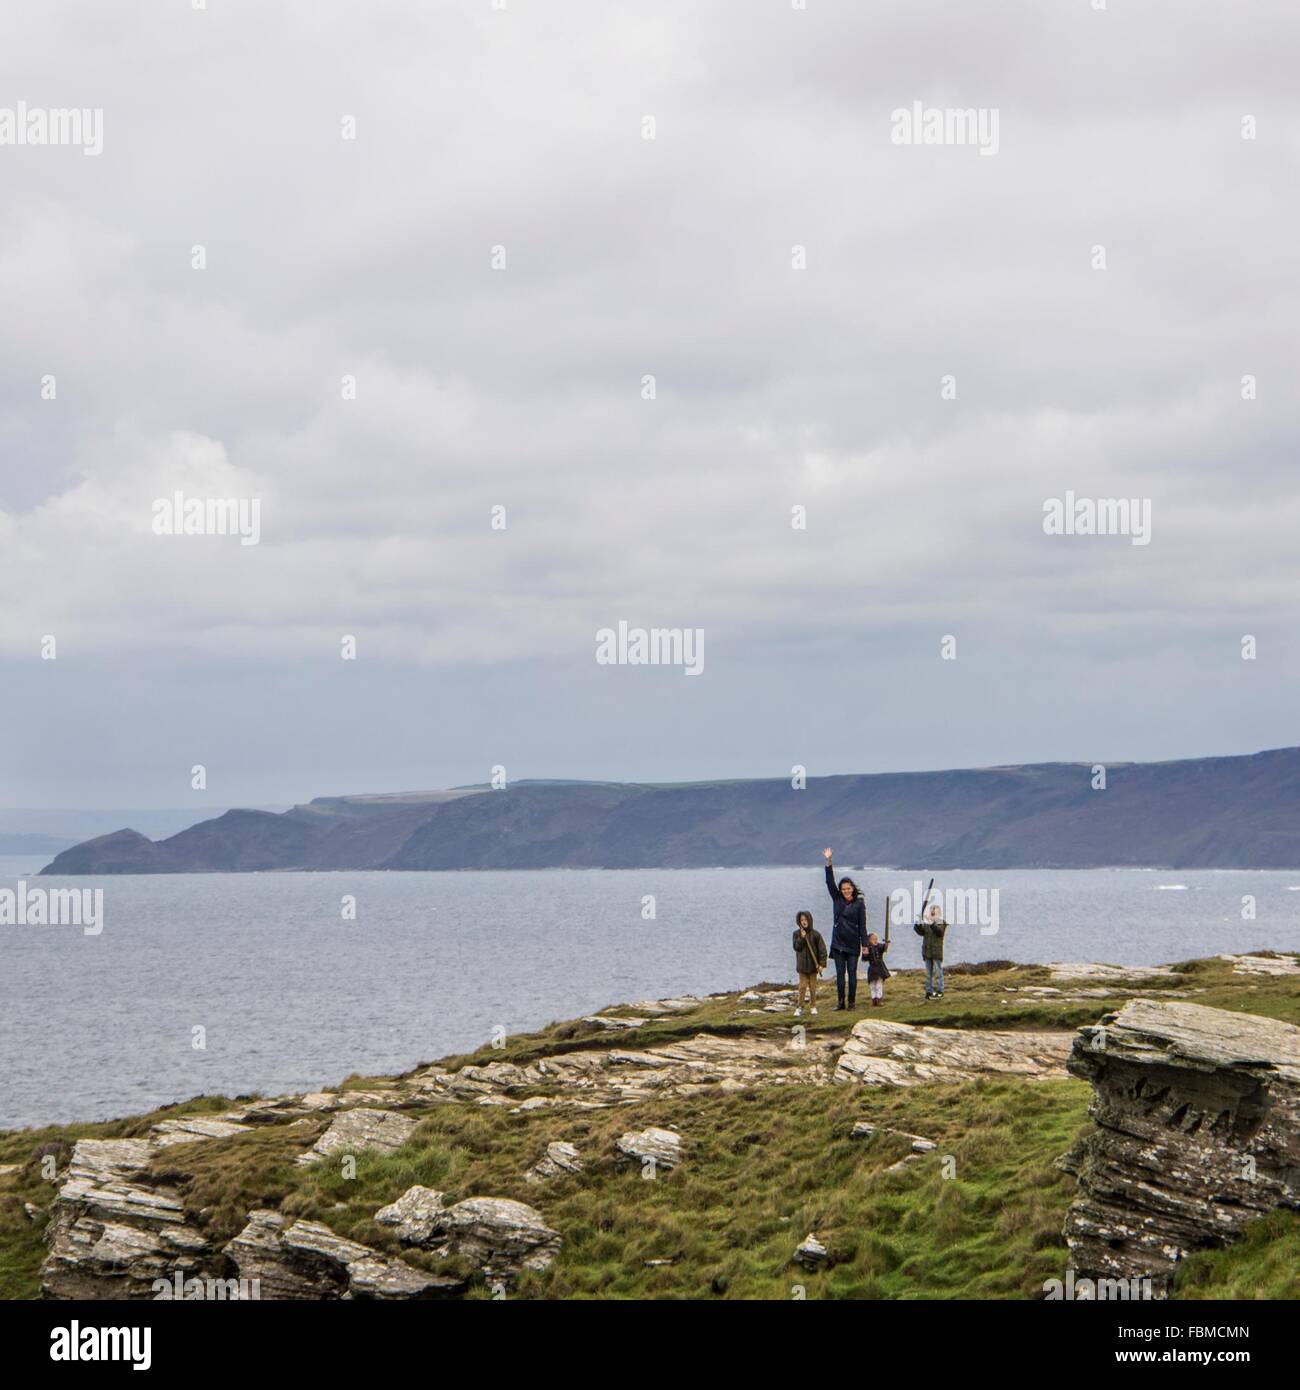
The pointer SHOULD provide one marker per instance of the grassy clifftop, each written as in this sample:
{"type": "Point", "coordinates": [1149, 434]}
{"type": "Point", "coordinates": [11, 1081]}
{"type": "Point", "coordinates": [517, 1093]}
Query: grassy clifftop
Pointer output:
{"type": "Point", "coordinates": [764, 1162]}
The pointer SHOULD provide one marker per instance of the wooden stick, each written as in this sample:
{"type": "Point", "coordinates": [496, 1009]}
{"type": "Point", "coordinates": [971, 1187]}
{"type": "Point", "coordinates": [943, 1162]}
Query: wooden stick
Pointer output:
{"type": "Point", "coordinates": [812, 951]}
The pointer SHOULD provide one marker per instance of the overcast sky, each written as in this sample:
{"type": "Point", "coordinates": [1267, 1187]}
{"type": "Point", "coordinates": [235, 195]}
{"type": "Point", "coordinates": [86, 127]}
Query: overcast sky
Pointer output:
{"type": "Point", "coordinates": [522, 388]}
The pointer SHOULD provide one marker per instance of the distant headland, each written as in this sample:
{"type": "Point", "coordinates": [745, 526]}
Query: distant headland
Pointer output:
{"type": "Point", "coordinates": [1222, 812]}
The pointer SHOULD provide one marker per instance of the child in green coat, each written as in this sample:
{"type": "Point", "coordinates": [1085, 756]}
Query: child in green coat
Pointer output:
{"type": "Point", "coordinates": [931, 931]}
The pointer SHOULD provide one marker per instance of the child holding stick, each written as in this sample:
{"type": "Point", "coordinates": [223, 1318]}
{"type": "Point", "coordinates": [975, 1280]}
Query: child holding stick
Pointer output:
{"type": "Point", "coordinates": [809, 959]}
{"type": "Point", "coordinates": [874, 955]}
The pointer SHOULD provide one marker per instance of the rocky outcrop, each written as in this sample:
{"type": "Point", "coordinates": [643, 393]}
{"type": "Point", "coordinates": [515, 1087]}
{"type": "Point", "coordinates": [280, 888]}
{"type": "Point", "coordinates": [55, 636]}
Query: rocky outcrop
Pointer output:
{"type": "Point", "coordinates": [902, 1054]}
{"type": "Point", "coordinates": [500, 1237]}
{"type": "Point", "coordinates": [1271, 964]}
{"type": "Point", "coordinates": [306, 1260]}
{"type": "Point", "coordinates": [277, 1108]}
{"type": "Point", "coordinates": [194, 1129]}
{"type": "Point", "coordinates": [650, 1149]}
{"type": "Point", "coordinates": [113, 1233]}
{"type": "Point", "coordinates": [415, 1216]}
{"type": "Point", "coordinates": [117, 1229]}
{"type": "Point", "coordinates": [769, 1001]}
{"type": "Point", "coordinates": [1093, 970]}
{"type": "Point", "coordinates": [558, 1158]}
{"type": "Point", "coordinates": [1077, 982]}
{"type": "Point", "coordinates": [594, 1078]}
{"type": "Point", "coordinates": [920, 1145]}
{"type": "Point", "coordinates": [812, 1254]}
{"type": "Point", "coordinates": [1198, 1132]}
{"type": "Point", "coordinates": [380, 1131]}
{"type": "Point", "coordinates": [657, 1007]}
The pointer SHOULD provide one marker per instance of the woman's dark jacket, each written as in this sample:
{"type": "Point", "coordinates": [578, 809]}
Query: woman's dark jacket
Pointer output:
{"type": "Point", "coordinates": [809, 952]}
{"type": "Point", "coordinates": [850, 933]}
{"type": "Point", "coordinates": [876, 967]}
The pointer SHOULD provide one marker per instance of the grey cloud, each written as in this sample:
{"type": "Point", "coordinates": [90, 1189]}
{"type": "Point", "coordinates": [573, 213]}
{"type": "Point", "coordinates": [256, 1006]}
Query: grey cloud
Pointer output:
{"type": "Point", "coordinates": [521, 388]}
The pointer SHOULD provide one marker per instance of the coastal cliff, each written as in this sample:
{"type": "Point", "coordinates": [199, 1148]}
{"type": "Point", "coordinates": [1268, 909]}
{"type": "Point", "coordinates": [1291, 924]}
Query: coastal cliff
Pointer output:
{"type": "Point", "coordinates": [1239, 812]}
{"type": "Point", "coordinates": [982, 1145]}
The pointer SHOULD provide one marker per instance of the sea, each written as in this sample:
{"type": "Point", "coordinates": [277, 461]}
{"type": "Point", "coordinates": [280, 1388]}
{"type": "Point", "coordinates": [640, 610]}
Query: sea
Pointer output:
{"type": "Point", "coordinates": [269, 983]}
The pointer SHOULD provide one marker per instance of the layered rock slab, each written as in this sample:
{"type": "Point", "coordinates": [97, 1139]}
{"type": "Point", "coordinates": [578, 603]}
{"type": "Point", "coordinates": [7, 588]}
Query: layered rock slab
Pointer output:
{"type": "Point", "coordinates": [650, 1148]}
{"type": "Point", "coordinates": [113, 1233]}
{"type": "Point", "coordinates": [592, 1077]}
{"type": "Point", "coordinates": [306, 1260]}
{"type": "Point", "coordinates": [1264, 965]}
{"type": "Point", "coordinates": [500, 1236]}
{"type": "Point", "coordinates": [1198, 1133]}
{"type": "Point", "coordinates": [880, 1053]}
{"type": "Point", "coordinates": [560, 1157]}
{"type": "Point", "coordinates": [352, 1131]}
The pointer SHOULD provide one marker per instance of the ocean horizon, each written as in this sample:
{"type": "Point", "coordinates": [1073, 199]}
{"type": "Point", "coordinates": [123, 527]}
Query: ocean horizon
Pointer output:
{"type": "Point", "coordinates": [292, 995]}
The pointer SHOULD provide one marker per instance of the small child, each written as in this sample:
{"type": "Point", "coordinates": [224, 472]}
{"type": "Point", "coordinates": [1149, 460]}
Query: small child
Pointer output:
{"type": "Point", "coordinates": [877, 971]}
{"type": "Point", "coordinates": [809, 959]}
{"type": "Point", "coordinates": [931, 931]}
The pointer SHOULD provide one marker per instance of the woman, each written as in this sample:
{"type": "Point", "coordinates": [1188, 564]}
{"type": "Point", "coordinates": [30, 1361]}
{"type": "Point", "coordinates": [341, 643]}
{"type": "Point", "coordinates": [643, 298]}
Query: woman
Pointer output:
{"type": "Point", "coordinates": [849, 936]}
